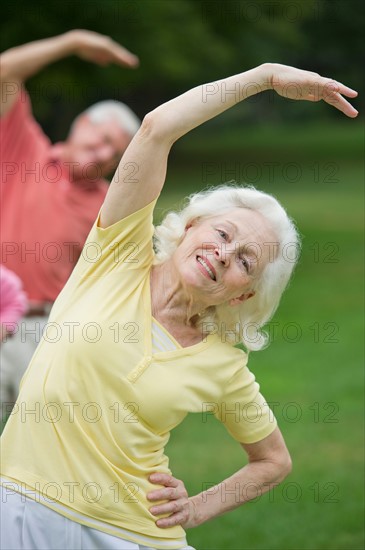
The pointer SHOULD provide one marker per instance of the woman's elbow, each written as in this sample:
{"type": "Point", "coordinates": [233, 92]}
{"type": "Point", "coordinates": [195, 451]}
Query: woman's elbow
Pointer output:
{"type": "Point", "coordinates": [284, 465]}
{"type": "Point", "coordinates": [156, 126]}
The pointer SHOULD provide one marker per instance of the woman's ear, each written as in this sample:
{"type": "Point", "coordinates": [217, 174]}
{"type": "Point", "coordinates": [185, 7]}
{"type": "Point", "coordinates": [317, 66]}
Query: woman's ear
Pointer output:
{"type": "Point", "coordinates": [190, 224]}
{"type": "Point", "coordinates": [240, 299]}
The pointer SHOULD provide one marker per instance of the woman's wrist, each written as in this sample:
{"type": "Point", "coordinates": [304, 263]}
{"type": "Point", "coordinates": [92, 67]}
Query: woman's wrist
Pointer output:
{"type": "Point", "coordinates": [266, 73]}
{"type": "Point", "coordinates": [202, 508]}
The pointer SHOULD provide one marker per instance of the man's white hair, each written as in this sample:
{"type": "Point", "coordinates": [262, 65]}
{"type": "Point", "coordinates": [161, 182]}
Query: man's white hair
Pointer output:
{"type": "Point", "coordinates": [113, 110]}
{"type": "Point", "coordinates": [242, 323]}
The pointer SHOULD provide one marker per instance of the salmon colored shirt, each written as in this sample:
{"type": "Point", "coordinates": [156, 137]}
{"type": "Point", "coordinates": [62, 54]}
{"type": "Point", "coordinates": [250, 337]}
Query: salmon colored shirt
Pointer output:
{"type": "Point", "coordinates": [45, 217]}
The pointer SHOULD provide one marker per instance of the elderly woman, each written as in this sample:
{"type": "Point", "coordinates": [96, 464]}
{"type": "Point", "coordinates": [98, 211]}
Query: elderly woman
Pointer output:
{"type": "Point", "coordinates": [138, 339]}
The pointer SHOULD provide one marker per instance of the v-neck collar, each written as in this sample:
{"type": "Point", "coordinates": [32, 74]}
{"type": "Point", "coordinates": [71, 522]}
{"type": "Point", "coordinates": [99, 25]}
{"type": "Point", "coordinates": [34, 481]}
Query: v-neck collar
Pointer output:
{"type": "Point", "coordinates": [181, 350]}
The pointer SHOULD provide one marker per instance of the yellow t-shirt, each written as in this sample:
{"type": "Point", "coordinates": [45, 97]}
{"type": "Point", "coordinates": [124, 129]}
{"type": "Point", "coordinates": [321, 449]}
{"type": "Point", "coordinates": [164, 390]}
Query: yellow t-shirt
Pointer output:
{"type": "Point", "coordinates": [96, 405]}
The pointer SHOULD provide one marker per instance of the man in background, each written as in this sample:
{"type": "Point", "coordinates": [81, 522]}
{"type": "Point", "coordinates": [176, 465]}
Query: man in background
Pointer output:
{"type": "Point", "coordinates": [51, 194]}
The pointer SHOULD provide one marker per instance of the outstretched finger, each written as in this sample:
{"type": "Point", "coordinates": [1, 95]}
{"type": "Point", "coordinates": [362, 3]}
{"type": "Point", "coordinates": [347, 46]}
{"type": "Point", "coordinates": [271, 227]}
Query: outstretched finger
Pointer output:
{"type": "Point", "coordinates": [345, 90]}
{"type": "Point", "coordinates": [336, 100]}
{"type": "Point", "coordinates": [337, 87]}
{"type": "Point", "coordinates": [124, 57]}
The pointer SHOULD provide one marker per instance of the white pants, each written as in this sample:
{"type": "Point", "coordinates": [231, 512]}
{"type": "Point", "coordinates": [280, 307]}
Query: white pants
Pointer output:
{"type": "Point", "coordinates": [16, 354]}
{"type": "Point", "coordinates": [30, 525]}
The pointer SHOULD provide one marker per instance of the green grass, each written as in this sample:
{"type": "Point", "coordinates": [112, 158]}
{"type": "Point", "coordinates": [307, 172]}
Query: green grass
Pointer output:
{"type": "Point", "coordinates": [312, 371]}
{"type": "Point", "coordinates": [342, 138]}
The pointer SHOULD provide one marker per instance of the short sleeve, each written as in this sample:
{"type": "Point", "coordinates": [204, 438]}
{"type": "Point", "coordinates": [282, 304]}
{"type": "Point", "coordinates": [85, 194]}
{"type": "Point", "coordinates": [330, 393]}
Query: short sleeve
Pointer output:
{"type": "Point", "coordinates": [22, 137]}
{"type": "Point", "coordinates": [244, 411]}
{"type": "Point", "coordinates": [125, 245]}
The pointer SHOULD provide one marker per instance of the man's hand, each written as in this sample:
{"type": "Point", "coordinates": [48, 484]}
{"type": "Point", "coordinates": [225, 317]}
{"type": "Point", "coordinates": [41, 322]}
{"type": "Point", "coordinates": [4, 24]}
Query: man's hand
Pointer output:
{"type": "Point", "coordinates": [180, 508]}
{"type": "Point", "coordinates": [101, 49]}
{"type": "Point", "coordinates": [305, 85]}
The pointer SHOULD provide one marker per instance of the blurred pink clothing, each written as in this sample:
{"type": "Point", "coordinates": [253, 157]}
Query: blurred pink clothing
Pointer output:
{"type": "Point", "coordinates": [45, 217]}
{"type": "Point", "coordinates": [13, 300]}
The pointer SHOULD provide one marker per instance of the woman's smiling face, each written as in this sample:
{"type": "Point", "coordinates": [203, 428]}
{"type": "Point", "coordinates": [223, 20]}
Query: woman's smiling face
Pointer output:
{"type": "Point", "coordinates": [220, 257]}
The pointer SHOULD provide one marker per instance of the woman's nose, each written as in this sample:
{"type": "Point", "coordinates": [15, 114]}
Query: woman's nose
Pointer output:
{"type": "Point", "coordinates": [221, 254]}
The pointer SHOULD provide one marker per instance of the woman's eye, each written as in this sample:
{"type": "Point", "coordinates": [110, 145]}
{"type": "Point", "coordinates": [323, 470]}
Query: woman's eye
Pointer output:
{"type": "Point", "coordinates": [223, 234]}
{"type": "Point", "coordinates": [245, 263]}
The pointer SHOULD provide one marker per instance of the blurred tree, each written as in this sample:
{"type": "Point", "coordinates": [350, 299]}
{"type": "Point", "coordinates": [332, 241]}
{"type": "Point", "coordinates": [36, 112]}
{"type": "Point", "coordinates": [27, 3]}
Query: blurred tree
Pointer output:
{"type": "Point", "coordinates": [182, 43]}
{"type": "Point", "coordinates": [174, 44]}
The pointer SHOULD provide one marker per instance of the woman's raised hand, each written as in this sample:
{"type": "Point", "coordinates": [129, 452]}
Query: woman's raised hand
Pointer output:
{"type": "Point", "coordinates": [180, 508]}
{"type": "Point", "coordinates": [304, 85]}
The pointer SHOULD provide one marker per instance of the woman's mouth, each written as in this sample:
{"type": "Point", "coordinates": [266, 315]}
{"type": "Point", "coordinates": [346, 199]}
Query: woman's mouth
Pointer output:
{"type": "Point", "coordinates": [206, 268]}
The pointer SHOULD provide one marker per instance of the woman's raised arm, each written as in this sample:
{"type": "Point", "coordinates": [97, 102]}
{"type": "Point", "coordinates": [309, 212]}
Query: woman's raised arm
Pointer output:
{"type": "Point", "coordinates": [141, 173]}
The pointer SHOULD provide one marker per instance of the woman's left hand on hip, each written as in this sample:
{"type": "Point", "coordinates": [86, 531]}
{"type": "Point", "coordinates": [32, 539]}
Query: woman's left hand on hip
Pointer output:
{"type": "Point", "coordinates": [180, 509]}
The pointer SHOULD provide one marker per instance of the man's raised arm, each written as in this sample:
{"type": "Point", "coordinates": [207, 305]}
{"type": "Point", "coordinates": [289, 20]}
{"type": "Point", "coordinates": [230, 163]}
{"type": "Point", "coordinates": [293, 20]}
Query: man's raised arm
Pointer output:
{"type": "Point", "coordinates": [19, 63]}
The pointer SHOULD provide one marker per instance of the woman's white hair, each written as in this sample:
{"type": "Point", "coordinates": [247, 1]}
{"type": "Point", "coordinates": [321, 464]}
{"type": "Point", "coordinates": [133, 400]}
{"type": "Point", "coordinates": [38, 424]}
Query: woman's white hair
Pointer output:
{"type": "Point", "coordinates": [112, 110]}
{"type": "Point", "coordinates": [242, 323]}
